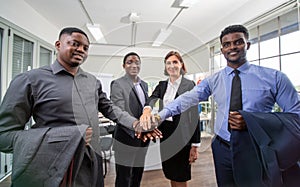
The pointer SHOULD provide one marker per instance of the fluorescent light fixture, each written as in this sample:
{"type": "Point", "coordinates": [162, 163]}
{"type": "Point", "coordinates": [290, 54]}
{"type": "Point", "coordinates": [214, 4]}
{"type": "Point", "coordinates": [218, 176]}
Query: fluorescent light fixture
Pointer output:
{"type": "Point", "coordinates": [163, 35]}
{"type": "Point", "coordinates": [96, 32]}
{"type": "Point", "coordinates": [188, 3]}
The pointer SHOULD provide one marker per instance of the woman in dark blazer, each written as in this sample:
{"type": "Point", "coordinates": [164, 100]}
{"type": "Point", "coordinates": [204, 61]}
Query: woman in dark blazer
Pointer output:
{"type": "Point", "coordinates": [181, 134]}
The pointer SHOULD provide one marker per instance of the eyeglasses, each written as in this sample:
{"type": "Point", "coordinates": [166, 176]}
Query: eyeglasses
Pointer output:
{"type": "Point", "coordinates": [130, 62]}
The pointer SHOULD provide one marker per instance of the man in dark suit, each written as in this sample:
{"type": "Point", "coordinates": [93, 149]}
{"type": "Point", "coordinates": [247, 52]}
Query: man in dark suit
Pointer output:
{"type": "Point", "coordinates": [130, 94]}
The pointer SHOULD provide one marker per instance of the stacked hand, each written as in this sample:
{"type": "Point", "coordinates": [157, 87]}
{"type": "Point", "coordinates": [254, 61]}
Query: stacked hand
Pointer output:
{"type": "Point", "coordinates": [147, 127]}
{"type": "Point", "coordinates": [148, 121]}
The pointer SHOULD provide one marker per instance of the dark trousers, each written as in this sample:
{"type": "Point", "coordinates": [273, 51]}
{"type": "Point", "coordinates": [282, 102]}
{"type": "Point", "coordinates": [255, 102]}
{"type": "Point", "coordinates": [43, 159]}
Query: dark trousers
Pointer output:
{"type": "Point", "coordinates": [237, 165]}
{"type": "Point", "coordinates": [129, 166]}
{"type": "Point", "coordinates": [128, 176]}
{"type": "Point", "coordinates": [223, 163]}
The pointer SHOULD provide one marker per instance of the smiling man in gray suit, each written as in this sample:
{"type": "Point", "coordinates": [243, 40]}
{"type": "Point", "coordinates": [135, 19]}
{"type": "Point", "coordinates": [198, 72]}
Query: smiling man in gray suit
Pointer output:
{"type": "Point", "coordinates": [130, 94]}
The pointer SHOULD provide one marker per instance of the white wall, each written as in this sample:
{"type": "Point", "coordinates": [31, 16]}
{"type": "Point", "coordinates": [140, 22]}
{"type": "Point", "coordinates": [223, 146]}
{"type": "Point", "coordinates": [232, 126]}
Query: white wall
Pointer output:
{"type": "Point", "coordinates": [21, 14]}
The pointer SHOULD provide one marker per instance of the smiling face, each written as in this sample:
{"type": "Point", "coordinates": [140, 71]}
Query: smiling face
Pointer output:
{"type": "Point", "coordinates": [72, 50]}
{"type": "Point", "coordinates": [234, 49]}
{"type": "Point", "coordinates": [173, 66]}
{"type": "Point", "coordinates": [132, 65]}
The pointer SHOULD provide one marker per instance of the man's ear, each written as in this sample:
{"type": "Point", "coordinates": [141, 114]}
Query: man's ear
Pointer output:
{"type": "Point", "coordinates": [57, 45]}
{"type": "Point", "coordinates": [248, 45]}
{"type": "Point", "coordinates": [221, 49]}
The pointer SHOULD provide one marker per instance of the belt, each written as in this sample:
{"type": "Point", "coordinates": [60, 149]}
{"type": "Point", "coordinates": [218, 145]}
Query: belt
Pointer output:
{"type": "Point", "coordinates": [224, 142]}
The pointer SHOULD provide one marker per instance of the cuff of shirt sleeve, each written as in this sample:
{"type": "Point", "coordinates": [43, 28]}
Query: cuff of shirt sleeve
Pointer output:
{"type": "Point", "coordinates": [162, 114]}
{"type": "Point", "coordinates": [196, 144]}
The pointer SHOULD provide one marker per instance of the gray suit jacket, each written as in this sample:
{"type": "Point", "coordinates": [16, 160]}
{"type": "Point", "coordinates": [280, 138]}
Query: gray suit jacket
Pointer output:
{"type": "Point", "coordinates": [43, 155]}
{"type": "Point", "coordinates": [124, 95]}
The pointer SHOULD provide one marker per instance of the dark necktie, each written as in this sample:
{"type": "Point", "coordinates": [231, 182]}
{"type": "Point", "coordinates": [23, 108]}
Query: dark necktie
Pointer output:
{"type": "Point", "coordinates": [236, 93]}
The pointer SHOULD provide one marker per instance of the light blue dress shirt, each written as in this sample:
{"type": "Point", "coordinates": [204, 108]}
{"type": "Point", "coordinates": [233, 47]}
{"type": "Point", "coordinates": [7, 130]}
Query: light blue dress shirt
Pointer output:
{"type": "Point", "coordinates": [261, 88]}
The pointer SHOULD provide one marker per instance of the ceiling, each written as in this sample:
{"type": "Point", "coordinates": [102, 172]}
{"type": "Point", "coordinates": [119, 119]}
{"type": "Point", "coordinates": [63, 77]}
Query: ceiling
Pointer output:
{"type": "Point", "coordinates": [191, 27]}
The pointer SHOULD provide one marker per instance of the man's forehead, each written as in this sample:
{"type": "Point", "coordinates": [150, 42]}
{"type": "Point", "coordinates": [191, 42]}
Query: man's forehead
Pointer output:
{"type": "Point", "coordinates": [75, 35]}
{"type": "Point", "coordinates": [132, 57]}
{"type": "Point", "coordinates": [233, 36]}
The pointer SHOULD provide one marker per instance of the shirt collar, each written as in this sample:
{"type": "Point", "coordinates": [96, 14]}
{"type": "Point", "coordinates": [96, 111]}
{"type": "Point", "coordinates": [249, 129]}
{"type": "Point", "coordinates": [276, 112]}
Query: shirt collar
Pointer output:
{"type": "Point", "coordinates": [57, 67]}
{"type": "Point", "coordinates": [138, 79]}
{"type": "Point", "coordinates": [243, 68]}
{"type": "Point", "coordinates": [176, 83]}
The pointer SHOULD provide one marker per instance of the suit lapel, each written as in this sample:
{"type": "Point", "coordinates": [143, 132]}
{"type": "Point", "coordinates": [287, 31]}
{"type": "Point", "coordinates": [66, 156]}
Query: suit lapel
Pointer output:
{"type": "Point", "coordinates": [145, 90]}
{"type": "Point", "coordinates": [163, 89]}
{"type": "Point", "coordinates": [182, 87]}
{"type": "Point", "coordinates": [131, 86]}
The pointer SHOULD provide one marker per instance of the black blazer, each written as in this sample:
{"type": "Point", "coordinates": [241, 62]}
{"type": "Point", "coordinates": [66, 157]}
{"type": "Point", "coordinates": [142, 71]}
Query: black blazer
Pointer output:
{"type": "Point", "coordinates": [188, 120]}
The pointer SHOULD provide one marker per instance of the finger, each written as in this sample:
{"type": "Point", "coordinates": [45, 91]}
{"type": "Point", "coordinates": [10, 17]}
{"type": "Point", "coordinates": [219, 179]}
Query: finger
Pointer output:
{"type": "Point", "coordinates": [145, 138]}
{"type": "Point", "coordinates": [138, 129]}
{"type": "Point", "coordinates": [138, 135]}
{"type": "Point", "coordinates": [154, 122]}
{"type": "Point", "coordinates": [149, 123]}
{"type": "Point", "coordinates": [154, 135]}
{"type": "Point", "coordinates": [158, 133]}
{"type": "Point", "coordinates": [149, 136]}
{"type": "Point", "coordinates": [145, 122]}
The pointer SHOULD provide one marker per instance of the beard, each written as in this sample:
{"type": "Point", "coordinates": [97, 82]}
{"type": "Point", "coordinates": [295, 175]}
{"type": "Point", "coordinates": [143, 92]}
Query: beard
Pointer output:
{"type": "Point", "coordinates": [75, 64]}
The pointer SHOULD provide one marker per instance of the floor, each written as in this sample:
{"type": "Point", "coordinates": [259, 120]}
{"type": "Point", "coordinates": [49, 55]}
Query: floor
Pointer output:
{"type": "Point", "coordinates": [202, 171]}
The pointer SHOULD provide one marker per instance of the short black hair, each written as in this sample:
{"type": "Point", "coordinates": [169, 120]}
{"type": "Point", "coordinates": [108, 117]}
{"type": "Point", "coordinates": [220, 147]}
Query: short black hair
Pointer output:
{"type": "Point", "coordinates": [129, 54]}
{"type": "Point", "coordinates": [234, 28]}
{"type": "Point", "coordinates": [70, 30]}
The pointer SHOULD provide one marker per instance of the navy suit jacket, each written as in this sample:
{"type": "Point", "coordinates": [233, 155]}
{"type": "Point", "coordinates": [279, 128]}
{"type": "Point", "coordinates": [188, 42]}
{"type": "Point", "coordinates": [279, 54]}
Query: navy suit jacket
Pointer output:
{"type": "Point", "coordinates": [274, 151]}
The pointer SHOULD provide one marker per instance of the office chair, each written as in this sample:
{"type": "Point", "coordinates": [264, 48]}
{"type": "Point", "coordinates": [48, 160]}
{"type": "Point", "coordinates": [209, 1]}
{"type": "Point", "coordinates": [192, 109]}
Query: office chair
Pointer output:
{"type": "Point", "coordinates": [105, 145]}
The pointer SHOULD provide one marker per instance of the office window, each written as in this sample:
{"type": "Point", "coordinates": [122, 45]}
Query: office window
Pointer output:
{"type": "Point", "coordinates": [269, 51]}
{"type": "Point", "coordinates": [271, 63]}
{"type": "Point", "coordinates": [45, 56]}
{"type": "Point", "coordinates": [291, 66]}
{"type": "Point", "coordinates": [269, 48]}
{"type": "Point", "coordinates": [290, 43]}
{"type": "Point", "coordinates": [22, 55]}
{"type": "Point", "coordinates": [252, 53]}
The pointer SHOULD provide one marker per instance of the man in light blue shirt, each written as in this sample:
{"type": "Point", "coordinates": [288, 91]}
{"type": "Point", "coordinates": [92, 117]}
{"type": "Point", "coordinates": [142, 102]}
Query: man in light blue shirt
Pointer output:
{"type": "Point", "coordinates": [261, 88]}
